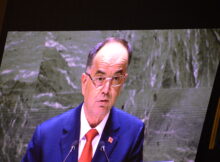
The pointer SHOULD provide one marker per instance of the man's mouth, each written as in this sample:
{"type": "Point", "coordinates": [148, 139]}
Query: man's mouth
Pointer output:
{"type": "Point", "coordinates": [104, 101]}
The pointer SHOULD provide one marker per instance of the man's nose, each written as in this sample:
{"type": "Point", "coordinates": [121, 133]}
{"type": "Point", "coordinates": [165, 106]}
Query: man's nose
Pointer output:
{"type": "Point", "coordinates": [106, 86]}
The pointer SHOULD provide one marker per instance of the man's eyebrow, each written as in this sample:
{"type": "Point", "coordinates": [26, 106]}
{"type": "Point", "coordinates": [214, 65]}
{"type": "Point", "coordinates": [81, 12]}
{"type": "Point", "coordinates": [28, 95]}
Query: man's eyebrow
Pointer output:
{"type": "Point", "coordinates": [102, 72]}
{"type": "Point", "coordinates": [119, 72]}
{"type": "Point", "coordinates": [99, 72]}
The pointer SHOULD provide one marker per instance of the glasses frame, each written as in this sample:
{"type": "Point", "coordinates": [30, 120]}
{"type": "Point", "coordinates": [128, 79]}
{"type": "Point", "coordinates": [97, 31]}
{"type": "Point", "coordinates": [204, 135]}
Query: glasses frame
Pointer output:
{"type": "Point", "coordinates": [106, 78]}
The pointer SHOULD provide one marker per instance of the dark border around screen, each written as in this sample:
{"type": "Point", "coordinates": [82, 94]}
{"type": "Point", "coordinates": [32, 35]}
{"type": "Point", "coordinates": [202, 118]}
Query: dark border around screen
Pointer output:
{"type": "Point", "coordinates": [68, 15]}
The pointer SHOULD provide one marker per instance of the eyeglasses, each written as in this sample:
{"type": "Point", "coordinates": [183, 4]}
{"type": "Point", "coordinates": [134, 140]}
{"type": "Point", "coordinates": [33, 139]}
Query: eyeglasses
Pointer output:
{"type": "Point", "coordinates": [99, 81]}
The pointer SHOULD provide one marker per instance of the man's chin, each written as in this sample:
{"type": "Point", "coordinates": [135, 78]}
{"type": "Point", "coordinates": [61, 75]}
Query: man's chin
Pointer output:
{"type": "Point", "coordinates": [103, 105]}
{"type": "Point", "coordinates": [104, 109]}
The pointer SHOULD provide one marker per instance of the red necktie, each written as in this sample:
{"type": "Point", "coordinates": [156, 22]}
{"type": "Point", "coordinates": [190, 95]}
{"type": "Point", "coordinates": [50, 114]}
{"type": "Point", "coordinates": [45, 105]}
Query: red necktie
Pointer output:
{"type": "Point", "coordinates": [86, 155]}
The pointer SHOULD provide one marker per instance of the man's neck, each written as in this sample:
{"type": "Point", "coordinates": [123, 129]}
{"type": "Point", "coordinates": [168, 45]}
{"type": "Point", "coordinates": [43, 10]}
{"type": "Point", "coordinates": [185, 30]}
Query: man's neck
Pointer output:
{"type": "Point", "coordinates": [93, 119]}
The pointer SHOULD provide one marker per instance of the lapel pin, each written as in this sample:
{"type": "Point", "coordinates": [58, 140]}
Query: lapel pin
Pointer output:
{"type": "Point", "coordinates": [110, 139]}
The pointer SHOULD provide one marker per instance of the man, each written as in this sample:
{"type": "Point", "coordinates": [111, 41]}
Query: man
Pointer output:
{"type": "Point", "coordinates": [95, 130]}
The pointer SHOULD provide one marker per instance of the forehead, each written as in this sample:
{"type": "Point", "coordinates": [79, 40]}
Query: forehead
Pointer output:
{"type": "Point", "coordinates": [112, 53]}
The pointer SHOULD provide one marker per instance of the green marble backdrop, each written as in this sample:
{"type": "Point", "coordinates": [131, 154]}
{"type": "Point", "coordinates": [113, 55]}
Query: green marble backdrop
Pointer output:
{"type": "Point", "coordinates": [169, 85]}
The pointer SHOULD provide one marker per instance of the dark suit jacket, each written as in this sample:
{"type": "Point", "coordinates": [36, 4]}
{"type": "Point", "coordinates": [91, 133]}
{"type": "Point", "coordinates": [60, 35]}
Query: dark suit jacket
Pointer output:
{"type": "Point", "coordinates": [123, 136]}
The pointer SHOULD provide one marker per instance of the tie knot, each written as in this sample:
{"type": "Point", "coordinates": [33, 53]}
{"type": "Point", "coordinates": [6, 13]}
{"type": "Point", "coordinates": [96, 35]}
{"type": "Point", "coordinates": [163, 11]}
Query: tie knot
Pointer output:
{"type": "Point", "coordinates": [91, 134]}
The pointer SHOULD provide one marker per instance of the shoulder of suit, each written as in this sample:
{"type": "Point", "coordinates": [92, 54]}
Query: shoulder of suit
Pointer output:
{"type": "Point", "coordinates": [126, 117]}
{"type": "Point", "coordinates": [58, 121]}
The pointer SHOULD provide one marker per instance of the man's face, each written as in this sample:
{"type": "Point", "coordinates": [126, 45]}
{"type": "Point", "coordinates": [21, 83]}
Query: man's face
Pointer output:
{"type": "Point", "coordinates": [111, 60]}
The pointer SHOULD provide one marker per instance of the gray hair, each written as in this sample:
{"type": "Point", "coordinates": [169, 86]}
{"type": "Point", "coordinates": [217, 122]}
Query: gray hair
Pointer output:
{"type": "Point", "coordinates": [95, 50]}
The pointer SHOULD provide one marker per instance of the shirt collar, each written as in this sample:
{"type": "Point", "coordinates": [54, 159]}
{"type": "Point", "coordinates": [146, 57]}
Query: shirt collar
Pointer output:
{"type": "Point", "coordinates": [85, 127]}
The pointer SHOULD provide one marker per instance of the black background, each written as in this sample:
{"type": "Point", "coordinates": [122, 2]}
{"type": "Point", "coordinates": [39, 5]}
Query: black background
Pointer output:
{"type": "Point", "coordinates": [64, 15]}
{"type": "Point", "coordinates": [114, 14]}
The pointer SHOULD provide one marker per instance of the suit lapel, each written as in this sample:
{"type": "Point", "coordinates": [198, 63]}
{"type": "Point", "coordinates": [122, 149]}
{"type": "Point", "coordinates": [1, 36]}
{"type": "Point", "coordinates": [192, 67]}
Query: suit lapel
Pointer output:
{"type": "Point", "coordinates": [110, 136]}
{"type": "Point", "coordinates": [70, 134]}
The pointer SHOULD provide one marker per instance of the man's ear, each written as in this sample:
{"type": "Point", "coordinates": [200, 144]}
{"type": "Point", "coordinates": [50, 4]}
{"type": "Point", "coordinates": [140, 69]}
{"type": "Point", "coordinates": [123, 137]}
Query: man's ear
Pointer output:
{"type": "Point", "coordinates": [126, 76]}
{"type": "Point", "coordinates": [83, 83]}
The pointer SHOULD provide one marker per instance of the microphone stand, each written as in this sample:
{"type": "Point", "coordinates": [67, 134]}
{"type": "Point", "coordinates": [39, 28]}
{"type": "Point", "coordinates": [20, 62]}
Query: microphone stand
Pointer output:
{"type": "Point", "coordinates": [72, 148]}
{"type": "Point", "coordinates": [102, 148]}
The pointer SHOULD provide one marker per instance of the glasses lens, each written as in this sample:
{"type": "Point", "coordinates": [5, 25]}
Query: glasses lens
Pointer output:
{"type": "Point", "coordinates": [99, 81]}
{"type": "Point", "coordinates": [117, 80]}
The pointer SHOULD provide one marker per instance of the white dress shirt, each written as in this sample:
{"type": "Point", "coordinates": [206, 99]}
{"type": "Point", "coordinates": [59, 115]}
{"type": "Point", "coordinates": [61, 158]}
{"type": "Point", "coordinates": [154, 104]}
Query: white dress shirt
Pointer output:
{"type": "Point", "coordinates": [85, 127]}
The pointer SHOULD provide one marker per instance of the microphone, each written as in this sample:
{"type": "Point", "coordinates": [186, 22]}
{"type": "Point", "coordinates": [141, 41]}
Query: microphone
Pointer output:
{"type": "Point", "coordinates": [102, 148]}
{"type": "Point", "coordinates": [72, 148]}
